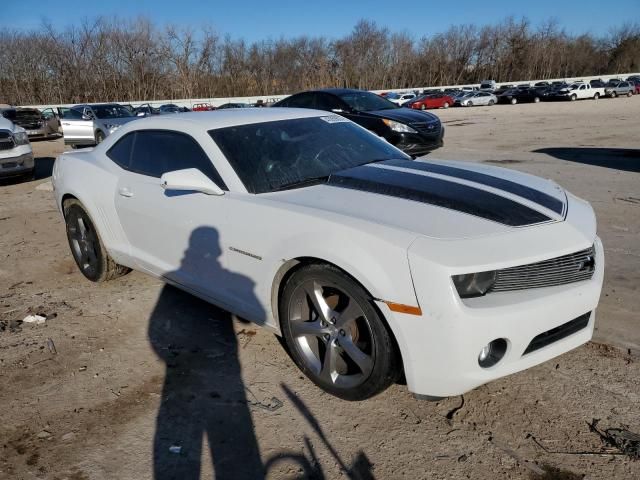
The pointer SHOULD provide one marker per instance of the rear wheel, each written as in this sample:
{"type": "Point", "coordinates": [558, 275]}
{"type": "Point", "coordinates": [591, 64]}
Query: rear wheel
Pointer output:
{"type": "Point", "coordinates": [514, 101]}
{"type": "Point", "coordinates": [574, 97]}
{"type": "Point", "coordinates": [445, 105]}
{"type": "Point", "coordinates": [596, 96]}
{"type": "Point", "coordinates": [614, 94]}
{"type": "Point", "coordinates": [423, 107]}
{"type": "Point", "coordinates": [86, 247]}
{"type": "Point", "coordinates": [536, 99]}
{"type": "Point", "coordinates": [335, 335]}
{"type": "Point", "coordinates": [629, 94]}
{"type": "Point", "coordinates": [491, 102]}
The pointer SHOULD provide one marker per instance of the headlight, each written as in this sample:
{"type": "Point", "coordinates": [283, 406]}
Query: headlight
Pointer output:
{"type": "Point", "coordinates": [398, 127]}
{"type": "Point", "coordinates": [21, 138]}
{"type": "Point", "coordinates": [474, 284]}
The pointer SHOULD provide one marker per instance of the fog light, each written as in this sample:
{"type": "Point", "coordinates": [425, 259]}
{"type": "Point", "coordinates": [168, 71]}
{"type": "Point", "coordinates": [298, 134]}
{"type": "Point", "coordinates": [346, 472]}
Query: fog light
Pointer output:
{"type": "Point", "coordinates": [492, 353]}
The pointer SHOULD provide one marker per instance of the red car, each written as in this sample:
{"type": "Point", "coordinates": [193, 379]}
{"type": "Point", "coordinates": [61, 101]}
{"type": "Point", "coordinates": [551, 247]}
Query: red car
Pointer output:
{"type": "Point", "coordinates": [437, 100]}
{"type": "Point", "coordinates": [202, 107]}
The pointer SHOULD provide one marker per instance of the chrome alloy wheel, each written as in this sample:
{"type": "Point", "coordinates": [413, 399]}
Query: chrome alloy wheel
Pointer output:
{"type": "Point", "coordinates": [84, 242]}
{"type": "Point", "coordinates": [331, 333]}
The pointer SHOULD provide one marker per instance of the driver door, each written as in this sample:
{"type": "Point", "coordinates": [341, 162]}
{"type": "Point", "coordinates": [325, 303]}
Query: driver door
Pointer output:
{"type": "Point", "coordinates": [177, 235]}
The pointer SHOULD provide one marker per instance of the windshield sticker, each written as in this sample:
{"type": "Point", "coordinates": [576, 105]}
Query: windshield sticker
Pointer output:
{"type": "Point", "coordinates": [334, 119]}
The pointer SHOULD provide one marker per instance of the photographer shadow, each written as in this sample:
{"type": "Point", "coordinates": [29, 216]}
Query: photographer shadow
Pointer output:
{"type": "Point", "coordinates": [203, 398]}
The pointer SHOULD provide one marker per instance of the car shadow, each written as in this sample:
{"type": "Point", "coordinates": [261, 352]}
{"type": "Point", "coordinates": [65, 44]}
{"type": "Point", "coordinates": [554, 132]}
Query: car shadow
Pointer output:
{"type": "Point", "coordinates": [626, 159]}
{"type": "Point", "coordinates": [43, 167]}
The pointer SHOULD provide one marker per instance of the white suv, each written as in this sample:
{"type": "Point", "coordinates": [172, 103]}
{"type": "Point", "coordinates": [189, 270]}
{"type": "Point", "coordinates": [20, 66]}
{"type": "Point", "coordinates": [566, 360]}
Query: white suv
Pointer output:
{"type": "Point", "coordinates": [16, 156]}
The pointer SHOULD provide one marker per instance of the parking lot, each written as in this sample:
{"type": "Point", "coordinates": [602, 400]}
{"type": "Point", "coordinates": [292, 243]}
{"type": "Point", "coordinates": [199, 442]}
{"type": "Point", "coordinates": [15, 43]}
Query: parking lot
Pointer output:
{"type": "Point", "coordinates": [93, 391]}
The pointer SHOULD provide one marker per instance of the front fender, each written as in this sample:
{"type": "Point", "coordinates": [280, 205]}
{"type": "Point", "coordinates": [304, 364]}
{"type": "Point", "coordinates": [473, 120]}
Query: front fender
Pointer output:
{"type": "Point", "coordinates": [379, 264]}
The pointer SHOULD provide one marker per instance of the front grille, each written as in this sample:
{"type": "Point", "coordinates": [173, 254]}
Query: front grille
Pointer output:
{"type": "Point", "coordinates": [431, 128]}
{"type": "Point", "coordinates": [558, 333]}
{"type": "Point", "coordinates": [6, 140]}
{"type": "Point", "coordinates": [570, 268]}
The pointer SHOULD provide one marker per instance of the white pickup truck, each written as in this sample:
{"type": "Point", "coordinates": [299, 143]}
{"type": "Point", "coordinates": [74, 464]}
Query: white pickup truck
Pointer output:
{"type": "Point", "coordinates": [580, 91]}
{"type": "Point", "coordinates": [16, 157]}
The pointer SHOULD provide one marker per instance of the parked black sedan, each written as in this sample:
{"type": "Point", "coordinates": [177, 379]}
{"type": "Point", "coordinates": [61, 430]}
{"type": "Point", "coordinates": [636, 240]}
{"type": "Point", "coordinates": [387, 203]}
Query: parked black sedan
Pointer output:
{"type": "Point", "coordinates": [413, 131]}
{"type": "Point", "coordinates": [520, 95]}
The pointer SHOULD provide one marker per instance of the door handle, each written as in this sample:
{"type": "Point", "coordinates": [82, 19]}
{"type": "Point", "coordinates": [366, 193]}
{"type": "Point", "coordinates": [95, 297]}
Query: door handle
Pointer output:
{"type": "Point", "coordinates": [125, 192]}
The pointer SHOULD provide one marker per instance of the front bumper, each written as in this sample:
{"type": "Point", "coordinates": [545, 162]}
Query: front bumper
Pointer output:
{"type": "Point", "coordinates": [16, 162]}
{"type": "Point", "coordinates": [440, 348]}
{"type": "Point", "coordinates": [417, 144]}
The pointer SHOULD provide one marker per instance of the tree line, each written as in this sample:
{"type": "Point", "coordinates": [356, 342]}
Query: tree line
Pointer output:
{"type": "Point", "coordinates": [113, 60]}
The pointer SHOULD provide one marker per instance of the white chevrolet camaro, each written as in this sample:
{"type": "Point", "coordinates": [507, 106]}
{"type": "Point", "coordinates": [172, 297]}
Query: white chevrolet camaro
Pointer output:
{"type": "Point", "coordinates": [367, 263]}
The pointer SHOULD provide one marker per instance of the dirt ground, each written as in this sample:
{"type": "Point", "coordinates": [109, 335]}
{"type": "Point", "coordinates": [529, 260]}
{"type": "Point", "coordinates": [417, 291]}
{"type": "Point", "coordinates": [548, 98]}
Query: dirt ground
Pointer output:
{"type": "Point", "coordinates": [135, 380]}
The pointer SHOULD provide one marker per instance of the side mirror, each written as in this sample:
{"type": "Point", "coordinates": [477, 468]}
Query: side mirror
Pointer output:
{"type": "Point", "coordinates": [86, 117]}
{"type": "Point", "coordinates": [190, 179]}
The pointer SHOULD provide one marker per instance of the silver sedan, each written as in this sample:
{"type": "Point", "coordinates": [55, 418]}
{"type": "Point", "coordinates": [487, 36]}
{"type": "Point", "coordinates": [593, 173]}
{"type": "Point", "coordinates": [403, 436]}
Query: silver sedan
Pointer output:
{"type": "Point", "coordinates": [479, 98]}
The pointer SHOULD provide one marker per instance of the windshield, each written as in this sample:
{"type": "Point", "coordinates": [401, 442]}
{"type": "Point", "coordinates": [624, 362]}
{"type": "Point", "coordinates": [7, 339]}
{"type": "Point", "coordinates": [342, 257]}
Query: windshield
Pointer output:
{"type": "Point", "coordinates": [366, 101]}
{"type": "Point", "coordinates": [111, 111]}
{"type": "Point", "coordinates": [292, 153]}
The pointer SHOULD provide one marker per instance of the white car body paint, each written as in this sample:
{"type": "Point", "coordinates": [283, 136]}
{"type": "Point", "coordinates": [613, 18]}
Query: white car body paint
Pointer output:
{"type": "Point", "coordinates": [18, 159]}
{"type": "Point", "coordinates": [400, 250]}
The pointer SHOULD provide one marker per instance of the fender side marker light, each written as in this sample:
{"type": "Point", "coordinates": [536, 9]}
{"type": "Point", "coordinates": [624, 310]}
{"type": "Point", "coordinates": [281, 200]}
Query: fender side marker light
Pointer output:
{"type": "Point", "coordinates": [400, 308]}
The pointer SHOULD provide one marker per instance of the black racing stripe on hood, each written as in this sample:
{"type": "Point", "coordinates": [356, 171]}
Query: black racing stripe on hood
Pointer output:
{"type": "Point", "coordinates": [435, 191]}
{"type": "Point", "coordinates": [523, 191]}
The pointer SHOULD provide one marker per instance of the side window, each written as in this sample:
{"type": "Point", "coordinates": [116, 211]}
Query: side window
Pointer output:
{"type": "Point", "coordinates": [73, 114]}
{"type": "Point", "coordinates": [159, 151]}
{"type": "Point", "coordinates": [303, 100]}
{"type": "Point", "coordinates": [325, 101]}
{"type": "Point", "coordinates": [120, 153]}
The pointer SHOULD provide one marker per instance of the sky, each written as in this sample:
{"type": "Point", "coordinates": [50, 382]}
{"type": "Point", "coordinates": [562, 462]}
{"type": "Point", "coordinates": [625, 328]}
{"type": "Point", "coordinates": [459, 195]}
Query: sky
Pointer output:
{"type": "Point", "coordinates": [256, 20]}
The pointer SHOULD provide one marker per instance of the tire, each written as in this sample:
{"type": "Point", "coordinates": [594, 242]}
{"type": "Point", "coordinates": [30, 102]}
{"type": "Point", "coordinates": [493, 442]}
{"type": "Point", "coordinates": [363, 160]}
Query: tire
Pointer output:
{"type": "Point", "coordinates": [629, 94]}
{"type": "Point", "coordinates": [354, 357]}
{"type": "Point", "coordinates": [596, 96]}
{"type": "Point", "coordinates": [573, 97]}
{"type": "Point", "coordinates": [423, 107]}
{"type": "Point", "coordinates": [491, 103]}
{"type": "Point", "coordinates": [99, 137]}
{"type": "Point", "coordinates": [469, 104]}
{"type": "Point", "coordinates": [614, 94]}
{"type": "Point", "coordinates": [536, 99]}
{"type": "Point", "coordinates": [445, 105]}
{"type": "Point", "coordinates": [514, 101]}
{"type": "Point", "coordinates": [86, 246]}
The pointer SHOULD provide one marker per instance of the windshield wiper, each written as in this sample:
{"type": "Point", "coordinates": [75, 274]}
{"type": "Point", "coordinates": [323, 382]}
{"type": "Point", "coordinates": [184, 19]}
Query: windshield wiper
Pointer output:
{"type": "Point", "coordinates": [302, 183]}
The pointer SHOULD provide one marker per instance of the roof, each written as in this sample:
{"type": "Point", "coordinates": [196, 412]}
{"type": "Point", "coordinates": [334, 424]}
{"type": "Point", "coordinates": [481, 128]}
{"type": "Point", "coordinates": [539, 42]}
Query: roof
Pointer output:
{"type": "Point", "coordinates": [340, 91]}
{"type": "Point", "coordinates": [225, 118]}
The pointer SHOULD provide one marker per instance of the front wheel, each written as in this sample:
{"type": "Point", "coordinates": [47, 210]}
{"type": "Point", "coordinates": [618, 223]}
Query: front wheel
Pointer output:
{"type": "Point", "coordinates": [423, 107]}
{"type": "Point", "coordinates": [614, 94]}
{"type": "Point", "coordinates": [574, 97]}
{"type": "Point", "coordinates": [469, 104]}
{"type": "Point", "coordinates": [629, 94]}
{"type": "Point", "coordinates": [445, 105]}
{"type": "Point", "coordinates": [596, 96]}
{"type": "Point", "coordinates": [99, 137]}
{"type": "Point", "coordinates": [514, 101]}
{"type": "Point", "coordinates": [335, 335]}
{"type": "Point", "coordinates": [86, 247]}
{"type": "Point", "coordinates": [536, 99]}
{"type": "Point", "coordinates": [491, 102]}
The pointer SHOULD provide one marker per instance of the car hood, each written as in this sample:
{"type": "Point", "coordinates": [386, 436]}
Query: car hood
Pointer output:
{"type": "Point", "coordinates": [438, 199]}
{"type": "Point", "coordinates": [403, 115]}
